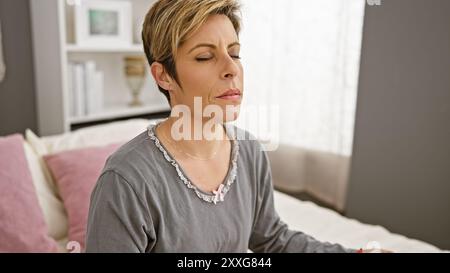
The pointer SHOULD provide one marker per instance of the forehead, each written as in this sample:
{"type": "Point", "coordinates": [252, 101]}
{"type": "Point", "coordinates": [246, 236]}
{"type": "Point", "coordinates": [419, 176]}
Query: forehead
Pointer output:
{"type": "Point", "coordinates": [217, 29]}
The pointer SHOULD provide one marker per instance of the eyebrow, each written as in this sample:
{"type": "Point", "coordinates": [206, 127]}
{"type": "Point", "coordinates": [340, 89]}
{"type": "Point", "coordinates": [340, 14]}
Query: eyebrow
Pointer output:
{"type": "Point", "coordinates": [211, 46]}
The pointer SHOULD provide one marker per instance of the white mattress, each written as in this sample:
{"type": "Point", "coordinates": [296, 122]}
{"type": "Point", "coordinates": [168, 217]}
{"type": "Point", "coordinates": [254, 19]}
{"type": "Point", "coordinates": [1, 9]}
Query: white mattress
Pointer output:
{"type": "Point", "coordinates": [327, 225]}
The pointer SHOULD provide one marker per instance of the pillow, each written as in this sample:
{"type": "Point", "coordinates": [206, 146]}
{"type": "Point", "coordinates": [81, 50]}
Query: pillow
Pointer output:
{"type": "Point", "coordinates": [52, 207]}
{"type": "Point", "coordinates": [22, 224]}
{"type": "Point", "coordinates": [75, 173]}
{"type": "Point", "coordinates": [36, 143]}
{"type": "Point", "coordinates": [93, 136]}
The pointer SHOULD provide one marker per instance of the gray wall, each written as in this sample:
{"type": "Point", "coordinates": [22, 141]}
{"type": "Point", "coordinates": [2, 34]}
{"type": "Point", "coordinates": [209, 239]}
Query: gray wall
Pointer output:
{"type": "Point", "coordinates": [400, 174]}
{"type": "Point", "coordinates": [17, 94]}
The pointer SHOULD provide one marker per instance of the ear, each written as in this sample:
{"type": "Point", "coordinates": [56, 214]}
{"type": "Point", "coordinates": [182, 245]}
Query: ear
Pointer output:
{"type": "Point", "coordinates": [160, 76]}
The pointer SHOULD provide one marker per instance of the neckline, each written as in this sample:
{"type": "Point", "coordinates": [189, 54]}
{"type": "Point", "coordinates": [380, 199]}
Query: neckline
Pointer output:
{"type": "Point", "coordinates": [181, 168]}
{"type": "Point", "coordinates": [206, 196]}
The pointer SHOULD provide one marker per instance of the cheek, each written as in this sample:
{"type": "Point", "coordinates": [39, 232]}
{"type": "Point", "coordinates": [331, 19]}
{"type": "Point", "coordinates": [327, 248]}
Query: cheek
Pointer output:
{"type": "Point", "coordinates": [198, 81]}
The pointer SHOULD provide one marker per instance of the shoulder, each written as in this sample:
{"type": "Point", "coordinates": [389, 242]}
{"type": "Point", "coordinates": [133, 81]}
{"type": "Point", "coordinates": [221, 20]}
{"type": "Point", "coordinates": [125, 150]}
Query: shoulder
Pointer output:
{"type": "Point", "coordinates": [134, 160]}
{"type": "Point", "coordinates": [250, 148]}
{"type": "Point", "coordinates": [254, 159]}
{"type": "Point", "coordinates": [131, 172]}
{"type": "Point", "coordinates": [127, 153]}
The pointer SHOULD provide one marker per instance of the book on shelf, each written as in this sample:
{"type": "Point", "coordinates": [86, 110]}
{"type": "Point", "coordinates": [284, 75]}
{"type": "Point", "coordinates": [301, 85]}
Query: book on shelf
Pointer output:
{"type": "Point", "coordinates": [85, 88]}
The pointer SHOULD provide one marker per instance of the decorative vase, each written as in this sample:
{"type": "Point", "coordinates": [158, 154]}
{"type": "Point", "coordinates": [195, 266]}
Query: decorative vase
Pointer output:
{"type": "Point", "coordinates": [135, 77]}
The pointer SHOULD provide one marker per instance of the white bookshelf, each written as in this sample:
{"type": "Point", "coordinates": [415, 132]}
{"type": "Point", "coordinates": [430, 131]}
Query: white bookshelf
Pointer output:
{"type": "Point", "coordinates": [55, 47]}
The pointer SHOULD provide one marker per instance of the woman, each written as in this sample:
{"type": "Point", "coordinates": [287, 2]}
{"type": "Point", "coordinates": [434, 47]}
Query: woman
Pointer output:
{"type": "Point", "coordinates": [165, 193]}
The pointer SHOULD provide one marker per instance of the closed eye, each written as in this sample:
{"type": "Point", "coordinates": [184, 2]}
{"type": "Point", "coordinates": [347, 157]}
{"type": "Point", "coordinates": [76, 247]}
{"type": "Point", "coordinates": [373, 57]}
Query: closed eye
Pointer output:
{"type": "Point", "coordinates": [203, 59]}
{"type": "Point", "coordinates": [207, 59]}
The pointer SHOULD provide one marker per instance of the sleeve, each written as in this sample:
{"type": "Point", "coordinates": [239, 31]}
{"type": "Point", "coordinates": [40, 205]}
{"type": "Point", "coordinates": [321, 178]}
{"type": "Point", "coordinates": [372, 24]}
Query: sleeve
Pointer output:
{"type": "Point", "coordinates": [118, 220]}
{"type": "Point", "coordinates": [269, 233]}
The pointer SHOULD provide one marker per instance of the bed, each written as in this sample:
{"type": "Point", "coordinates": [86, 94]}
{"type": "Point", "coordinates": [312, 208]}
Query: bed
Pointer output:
{"type": "Point", "coordinates": [323, 224]}
{"type": "Point", "coordinates": [327, 225]}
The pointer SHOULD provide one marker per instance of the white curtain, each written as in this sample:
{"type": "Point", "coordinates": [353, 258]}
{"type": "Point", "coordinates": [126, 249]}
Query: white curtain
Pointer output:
{"type": "Point", "coordinates": [301, 64]}
{"type": "Point", "coordinates": [303, 55]}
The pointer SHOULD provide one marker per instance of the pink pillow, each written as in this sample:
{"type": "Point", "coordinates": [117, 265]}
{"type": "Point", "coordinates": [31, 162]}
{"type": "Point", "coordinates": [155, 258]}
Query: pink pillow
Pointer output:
{"type": "Point", "coordinates": [22, 224]}
{"type": "Point", "coordinates": [75, 173]}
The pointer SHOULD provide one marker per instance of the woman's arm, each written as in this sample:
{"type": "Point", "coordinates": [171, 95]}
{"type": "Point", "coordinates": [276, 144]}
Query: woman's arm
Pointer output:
{"type": "Point", "coordinates": [118, 219]}
{"type": "Point", "coordinates": [269, 233]}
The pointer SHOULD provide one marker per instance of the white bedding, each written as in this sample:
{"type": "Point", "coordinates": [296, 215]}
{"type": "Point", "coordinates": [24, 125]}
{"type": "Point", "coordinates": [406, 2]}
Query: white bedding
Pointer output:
{"type": "Point", "coordinates": [327, 225]}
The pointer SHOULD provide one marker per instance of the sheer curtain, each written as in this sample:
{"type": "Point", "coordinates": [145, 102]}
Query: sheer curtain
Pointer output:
{"type": "Point", "coordinates": [302, 56]}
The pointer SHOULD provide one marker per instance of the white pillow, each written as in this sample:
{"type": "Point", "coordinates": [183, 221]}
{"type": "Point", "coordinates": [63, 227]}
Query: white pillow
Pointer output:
{"type": "Point", "coordinates": [52, 207]}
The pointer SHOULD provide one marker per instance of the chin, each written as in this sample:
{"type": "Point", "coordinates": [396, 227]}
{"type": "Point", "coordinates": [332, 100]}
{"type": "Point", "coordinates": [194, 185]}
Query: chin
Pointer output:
{"type": "Point", "coordinates": [224, 111]}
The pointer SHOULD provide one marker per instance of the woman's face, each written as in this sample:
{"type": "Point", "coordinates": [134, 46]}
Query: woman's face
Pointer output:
{"type": "Point", "coordinates": [208, 65]}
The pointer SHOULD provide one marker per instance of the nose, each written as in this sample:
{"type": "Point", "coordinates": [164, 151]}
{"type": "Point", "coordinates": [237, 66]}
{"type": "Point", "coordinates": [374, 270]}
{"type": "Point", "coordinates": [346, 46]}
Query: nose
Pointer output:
{"type": "Point", "coordinates": [231, 68]}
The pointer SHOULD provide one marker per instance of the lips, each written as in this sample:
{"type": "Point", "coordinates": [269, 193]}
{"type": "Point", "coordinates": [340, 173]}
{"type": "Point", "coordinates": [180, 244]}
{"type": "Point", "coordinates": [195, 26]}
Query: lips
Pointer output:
{"type": "Point", "coordinates": [230, 94]}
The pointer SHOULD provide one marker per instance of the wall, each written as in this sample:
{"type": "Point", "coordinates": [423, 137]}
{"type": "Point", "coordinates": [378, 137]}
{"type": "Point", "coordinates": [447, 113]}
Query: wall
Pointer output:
{"type": "Point", "coordinates": [400, 174]}
{"type": "Point", "coordinates": [17, 94]}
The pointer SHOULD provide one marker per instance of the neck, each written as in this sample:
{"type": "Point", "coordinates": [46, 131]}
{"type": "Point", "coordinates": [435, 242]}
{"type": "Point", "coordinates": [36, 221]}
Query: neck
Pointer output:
{"type": "Point", "coordinates": [195, 141]}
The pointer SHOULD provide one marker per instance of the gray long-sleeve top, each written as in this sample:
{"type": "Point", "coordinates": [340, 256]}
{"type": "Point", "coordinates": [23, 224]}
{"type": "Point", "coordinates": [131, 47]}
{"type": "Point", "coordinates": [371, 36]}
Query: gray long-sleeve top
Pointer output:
{"type": "Point", "coordinates": [142, 204]}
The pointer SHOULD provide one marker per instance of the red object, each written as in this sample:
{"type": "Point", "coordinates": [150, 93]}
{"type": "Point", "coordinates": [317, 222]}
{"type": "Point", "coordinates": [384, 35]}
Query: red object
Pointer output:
{"type": "Point", "coordinates": [360, 250]}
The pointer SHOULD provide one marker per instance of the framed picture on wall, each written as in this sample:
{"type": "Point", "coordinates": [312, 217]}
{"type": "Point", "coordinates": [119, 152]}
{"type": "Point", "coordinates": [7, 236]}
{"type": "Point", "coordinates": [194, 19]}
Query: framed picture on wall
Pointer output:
{"type": "Point", "coordinates": [103, 23]}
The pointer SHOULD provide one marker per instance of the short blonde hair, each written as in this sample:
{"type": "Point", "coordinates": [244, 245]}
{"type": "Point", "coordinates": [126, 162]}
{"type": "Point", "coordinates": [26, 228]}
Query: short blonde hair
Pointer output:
{"type": "Point", "coordinates": [169, 23]}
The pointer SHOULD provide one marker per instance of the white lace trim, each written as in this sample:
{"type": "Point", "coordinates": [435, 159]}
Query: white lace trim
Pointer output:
{"type": "Point", "coordinates": [217, 197]}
